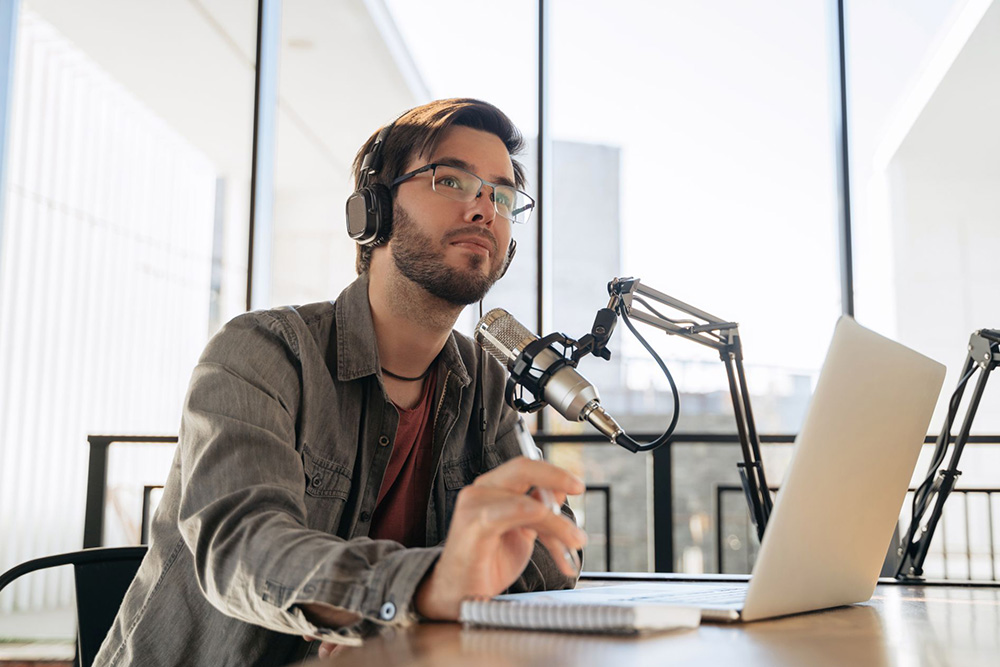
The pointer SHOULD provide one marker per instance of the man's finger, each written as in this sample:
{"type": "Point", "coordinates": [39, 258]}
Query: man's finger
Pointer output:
{"type": "Point", "coordinates": [520, 474]}
{"type": "Point", "coordinates": [504, 511]}
{"type": "Point", "coordinates": [492, 511]}
{"type": "Point", "coordinates": [326, 649]}
{"type": "Point", "coordinates": [560, 498]}
{"type": "Point", "coordinates": [566, 558]}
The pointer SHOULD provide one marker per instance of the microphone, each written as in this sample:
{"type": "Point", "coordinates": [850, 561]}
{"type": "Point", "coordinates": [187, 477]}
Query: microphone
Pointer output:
{"type": "Point", "coordinates": [545, 373]}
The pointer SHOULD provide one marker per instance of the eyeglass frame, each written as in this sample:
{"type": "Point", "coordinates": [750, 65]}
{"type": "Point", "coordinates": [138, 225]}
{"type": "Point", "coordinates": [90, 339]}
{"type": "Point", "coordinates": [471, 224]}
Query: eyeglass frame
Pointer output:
{"type": "Point", "coordinates": [493, 186]}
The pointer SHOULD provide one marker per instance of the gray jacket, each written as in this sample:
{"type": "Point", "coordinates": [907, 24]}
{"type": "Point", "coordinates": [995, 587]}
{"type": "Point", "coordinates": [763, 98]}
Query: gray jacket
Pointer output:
{"type": "Point", "coordinates": [284, 439]}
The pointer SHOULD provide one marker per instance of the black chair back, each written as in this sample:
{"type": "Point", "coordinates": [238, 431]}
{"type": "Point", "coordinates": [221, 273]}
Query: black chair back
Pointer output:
{"type": "Point", "coordinates": [100, 589]}
{"type": "Point", "coordinates": [102, 576]}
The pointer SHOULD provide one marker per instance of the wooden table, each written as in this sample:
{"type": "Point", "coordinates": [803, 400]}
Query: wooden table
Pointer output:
{"type": "Point", "coordinates": [902, 625]}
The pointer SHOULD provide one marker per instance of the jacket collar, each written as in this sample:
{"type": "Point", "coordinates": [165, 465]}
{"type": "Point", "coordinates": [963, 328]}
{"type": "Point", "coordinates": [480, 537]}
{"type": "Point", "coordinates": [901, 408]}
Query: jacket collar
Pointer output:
{"type": "Point", "coordinates": [357, 353]}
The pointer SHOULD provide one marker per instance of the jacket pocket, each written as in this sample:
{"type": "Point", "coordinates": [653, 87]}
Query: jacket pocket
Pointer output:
{"type": "Point", "coordinates": [328, 485]}
{"type": "Point", "coordinates": [456, 475]}
{"type": "Point", "coordinates": [459, 474]}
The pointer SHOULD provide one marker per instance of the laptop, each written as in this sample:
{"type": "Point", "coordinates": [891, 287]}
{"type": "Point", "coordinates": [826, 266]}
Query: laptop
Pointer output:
{"type": "Point", "coordinates": [834, 515]}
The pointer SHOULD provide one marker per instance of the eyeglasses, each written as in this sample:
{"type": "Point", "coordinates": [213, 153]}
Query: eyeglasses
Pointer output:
{"type": "Point", "coordinates": [464, 186]}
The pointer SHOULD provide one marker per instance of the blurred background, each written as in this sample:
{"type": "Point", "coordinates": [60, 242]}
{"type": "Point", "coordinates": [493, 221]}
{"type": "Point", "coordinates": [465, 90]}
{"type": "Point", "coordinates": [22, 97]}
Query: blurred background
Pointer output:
{"type": "Point", "coordinates": [700, 147]}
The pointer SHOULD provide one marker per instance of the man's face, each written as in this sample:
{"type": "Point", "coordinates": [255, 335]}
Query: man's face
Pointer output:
{"type": "Point", "coordinates": [454, 250]}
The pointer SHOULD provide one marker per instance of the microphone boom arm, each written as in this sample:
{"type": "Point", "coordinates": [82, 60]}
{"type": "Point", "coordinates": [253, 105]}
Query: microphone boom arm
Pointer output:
{"type": "Point", "coordinates": [722, 336]}
{"type": "Point", "coordinates": [983, 357]}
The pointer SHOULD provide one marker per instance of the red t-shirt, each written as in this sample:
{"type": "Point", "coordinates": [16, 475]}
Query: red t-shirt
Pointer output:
{"type": "Point", "coordinates": [401, 509]}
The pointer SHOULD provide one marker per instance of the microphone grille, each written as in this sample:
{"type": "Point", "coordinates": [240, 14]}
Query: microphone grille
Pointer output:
{"type": "Point", "coordinates": [500, 334]}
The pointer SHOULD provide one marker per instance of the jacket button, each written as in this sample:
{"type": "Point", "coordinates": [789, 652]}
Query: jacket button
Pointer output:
{"type": "Point", "coordinates": [317, 480]}
{"type": "Point", "coordinates": [387, 612]}
{"type": "Point", "coordinates": [383, 440]}
{"type": "Point", "coordinates": [365, 516]}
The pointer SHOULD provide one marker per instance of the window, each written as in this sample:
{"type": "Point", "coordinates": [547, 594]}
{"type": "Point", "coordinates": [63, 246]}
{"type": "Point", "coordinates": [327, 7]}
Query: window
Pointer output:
{"type": "Point", "coordinates": [124, 243]}
{"type": "Point", "coordinates": [923, 146]}
{"type": "Point", "coordinates": [693, 149]}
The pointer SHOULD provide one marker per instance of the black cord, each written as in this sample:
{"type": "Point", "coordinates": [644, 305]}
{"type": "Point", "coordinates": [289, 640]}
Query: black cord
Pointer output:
{"type": "Point", "coordinates": [922, 495]}
{"type": "Point", "coordinates": [624, 440]}
{"type": "Point", "coordinates": [713, 334]}
{"type": "Point", "coordinates": [479, 405]}
{"type": "Point", "coordinates": [661, 315]}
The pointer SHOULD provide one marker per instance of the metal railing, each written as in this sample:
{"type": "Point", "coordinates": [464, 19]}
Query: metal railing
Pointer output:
{"type": "Point", "coordinates": [97, 483]}
{"type": "Point", "coordinates": [605, 491]}
{"type": "Point", "coordinates": [663, 481]}
{"type": "Point", "coordinates": [663, 501]}
{"type": "Point", "coordinates": [941, 547]}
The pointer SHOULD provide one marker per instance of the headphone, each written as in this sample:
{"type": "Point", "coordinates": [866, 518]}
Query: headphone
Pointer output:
{"type": "Point", "coordinates": [369, 208]}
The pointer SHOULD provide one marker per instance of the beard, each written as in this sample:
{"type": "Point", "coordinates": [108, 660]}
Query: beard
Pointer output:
{"type": "Point", "coordinates": [417, 258]}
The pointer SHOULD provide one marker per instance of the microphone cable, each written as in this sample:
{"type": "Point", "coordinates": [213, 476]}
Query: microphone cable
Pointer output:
{"type": "Point", "coordinates": [623, 439]}
{"type": "Point", "coordinates": [478, 402]}
{"type": "Point", "coordinates": [922, 495]}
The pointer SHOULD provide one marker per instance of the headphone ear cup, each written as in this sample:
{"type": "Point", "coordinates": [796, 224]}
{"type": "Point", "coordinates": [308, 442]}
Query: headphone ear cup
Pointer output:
{"type": "Point", "coordinates": [369, 214]}
{"type": "Point", "coordinates": [511, 249]}
{"type": "Point", "coordinates": [384, 203]}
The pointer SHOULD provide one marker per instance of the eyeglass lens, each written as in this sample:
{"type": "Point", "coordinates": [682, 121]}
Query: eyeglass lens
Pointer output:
{"type": "Point", "coordinates": [461, 185]}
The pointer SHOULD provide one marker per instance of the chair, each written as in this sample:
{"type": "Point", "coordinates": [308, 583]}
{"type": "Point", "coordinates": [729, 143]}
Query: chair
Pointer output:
{"type": "Point", "coordinates": [101, 576]}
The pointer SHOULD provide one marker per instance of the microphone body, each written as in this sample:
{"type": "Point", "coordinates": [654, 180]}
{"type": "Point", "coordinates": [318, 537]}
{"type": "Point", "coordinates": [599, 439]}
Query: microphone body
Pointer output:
{"type": "Point", "coordinates": [547, 373]}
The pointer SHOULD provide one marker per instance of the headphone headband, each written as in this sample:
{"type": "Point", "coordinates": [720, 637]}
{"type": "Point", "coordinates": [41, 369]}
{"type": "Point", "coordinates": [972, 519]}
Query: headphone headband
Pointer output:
{"type": "Point", "coordinates": [372, 161]}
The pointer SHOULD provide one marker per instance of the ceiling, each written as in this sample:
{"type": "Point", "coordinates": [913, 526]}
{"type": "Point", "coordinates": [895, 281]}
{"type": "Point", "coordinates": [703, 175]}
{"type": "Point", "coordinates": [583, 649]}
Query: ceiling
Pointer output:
{"type": "Point", "coordinates": [192, 63]}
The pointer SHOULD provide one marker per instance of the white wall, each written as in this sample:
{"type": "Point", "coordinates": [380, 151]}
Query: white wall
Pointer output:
{"type": "Point", "coordinates": [943, 207]}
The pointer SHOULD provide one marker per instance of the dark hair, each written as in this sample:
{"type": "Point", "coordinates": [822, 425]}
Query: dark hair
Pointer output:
{"type": "Point", "coordinates": [418, 132]}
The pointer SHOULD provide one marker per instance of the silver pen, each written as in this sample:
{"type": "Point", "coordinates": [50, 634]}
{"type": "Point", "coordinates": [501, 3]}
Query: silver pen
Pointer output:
{"type": "Point", "coordinates": [531, 451]}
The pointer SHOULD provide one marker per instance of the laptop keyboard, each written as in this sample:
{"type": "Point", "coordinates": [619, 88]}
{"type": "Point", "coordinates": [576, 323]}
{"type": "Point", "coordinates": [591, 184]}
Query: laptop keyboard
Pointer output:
{"type": "Point", "coordinates": [718, 596]}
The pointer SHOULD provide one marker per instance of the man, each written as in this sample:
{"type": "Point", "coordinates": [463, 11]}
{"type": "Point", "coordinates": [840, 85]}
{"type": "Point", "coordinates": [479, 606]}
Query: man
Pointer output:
{"type": "Point", "coordinates": [327, 478]}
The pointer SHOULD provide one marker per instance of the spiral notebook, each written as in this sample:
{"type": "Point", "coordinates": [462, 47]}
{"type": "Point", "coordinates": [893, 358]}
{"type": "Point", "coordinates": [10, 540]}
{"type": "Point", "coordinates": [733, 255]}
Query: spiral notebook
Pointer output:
{"type": "Point", "coordinates": [540, 611]}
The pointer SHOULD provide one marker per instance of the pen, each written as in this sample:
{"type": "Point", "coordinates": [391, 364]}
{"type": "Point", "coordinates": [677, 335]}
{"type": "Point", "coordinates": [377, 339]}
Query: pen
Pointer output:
{"type": "Point", "coordinates": [530, 451]}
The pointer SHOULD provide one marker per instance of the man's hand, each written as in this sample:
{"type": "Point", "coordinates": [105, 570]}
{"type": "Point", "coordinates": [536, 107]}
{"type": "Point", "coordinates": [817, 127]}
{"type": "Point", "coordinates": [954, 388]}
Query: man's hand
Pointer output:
{"type": "Point", "coordinates": [493, 532]}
